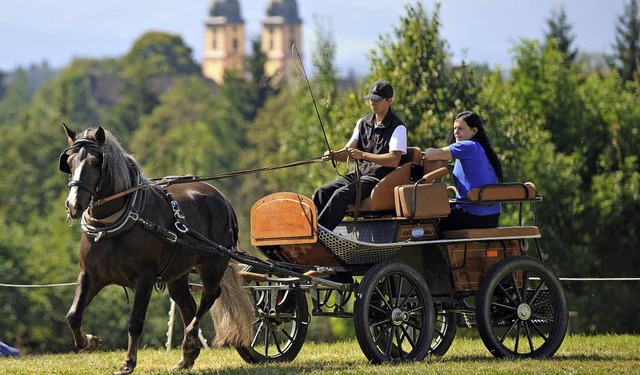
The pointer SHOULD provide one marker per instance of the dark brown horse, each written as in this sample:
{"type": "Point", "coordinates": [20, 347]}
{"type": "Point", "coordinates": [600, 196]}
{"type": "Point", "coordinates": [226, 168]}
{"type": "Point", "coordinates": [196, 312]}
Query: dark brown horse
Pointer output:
{"type": "Point", "coordinates": [136, 239]}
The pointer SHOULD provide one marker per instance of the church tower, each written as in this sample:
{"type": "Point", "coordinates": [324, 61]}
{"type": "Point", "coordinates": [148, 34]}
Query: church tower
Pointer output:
{"type": "Point", "coordinates": [224, 40]}
{"type": "Point", "coordinates": [281, 28]}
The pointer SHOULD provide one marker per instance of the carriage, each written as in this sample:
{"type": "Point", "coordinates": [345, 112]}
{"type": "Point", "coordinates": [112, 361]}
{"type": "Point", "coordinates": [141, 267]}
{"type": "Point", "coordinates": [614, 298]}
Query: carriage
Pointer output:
{"type": "Point", "coordinates": [406, 284]}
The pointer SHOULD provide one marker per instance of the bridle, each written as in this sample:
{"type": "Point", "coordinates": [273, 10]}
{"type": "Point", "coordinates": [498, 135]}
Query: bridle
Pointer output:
{"type": "Point", "coordinates": [82, 145]}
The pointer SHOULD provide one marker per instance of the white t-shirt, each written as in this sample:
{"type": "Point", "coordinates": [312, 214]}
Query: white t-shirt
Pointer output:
{"type": "Point", "coordinates": [398, 141]}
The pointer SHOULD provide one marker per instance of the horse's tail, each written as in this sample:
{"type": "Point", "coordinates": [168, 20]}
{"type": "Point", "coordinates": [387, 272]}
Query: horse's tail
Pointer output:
{"type": "Point", "coordinates": [233, 312]}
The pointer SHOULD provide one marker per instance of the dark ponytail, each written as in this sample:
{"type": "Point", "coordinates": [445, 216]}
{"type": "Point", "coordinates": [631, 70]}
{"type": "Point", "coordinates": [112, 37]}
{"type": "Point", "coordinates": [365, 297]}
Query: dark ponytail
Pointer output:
{"type": "Point", "coordinates": [473, 121]}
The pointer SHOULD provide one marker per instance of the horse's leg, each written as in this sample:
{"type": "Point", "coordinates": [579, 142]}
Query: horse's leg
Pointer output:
{"type": "Point", "coordinates": [136, 323]}
{"type": "Point", "coordinates": [180, 293]}
{"type": "Point", "coordinates": [211, 291]}
{"type": "Point", "coordinates": [86, 289]}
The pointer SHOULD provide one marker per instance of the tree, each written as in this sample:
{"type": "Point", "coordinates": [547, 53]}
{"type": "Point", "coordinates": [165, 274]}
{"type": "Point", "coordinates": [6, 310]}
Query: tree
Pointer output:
{"type": "Point", "coordinates": [560, 32]}
{"type": "Point", "coordinates": [247, 93]}
{"type": "Point", "coordinates": [427, 90]}
{"type": "Point", "coordinates": [187, 132]}
{"type": "Point", "coordinates": [627, 46]}
{"type": "Point", "coordinates": [15, 98]}
{"type": "Point", "coordinates": [154, 55]}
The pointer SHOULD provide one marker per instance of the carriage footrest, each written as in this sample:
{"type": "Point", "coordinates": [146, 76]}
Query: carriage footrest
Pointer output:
{"type": "Point", "coordinates": [522, 231]}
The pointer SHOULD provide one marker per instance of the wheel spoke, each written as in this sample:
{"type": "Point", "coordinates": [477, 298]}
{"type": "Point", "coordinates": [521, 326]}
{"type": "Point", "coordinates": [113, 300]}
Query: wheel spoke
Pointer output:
{"type": "Point", "coordinates": [399, 292]}
{"type": "Point", "coordinates": [542, 334]}
{"type": "Point", "coordinates": [508, 331]}
{"type": "Point", "coordinates": [506, 294]}
{"type": "Point", "coordinates": [410, 294]}
{"type": "Point", "coordinates": [380, 309]}
{"type": "Point", "coordinates": [376, 324]}
{"type": "Point", "coordinates": [267, 333]}
{"type": "Point", "coordinates": [285, 333]}
{"type": "Point", "coordinates": [381, 333]}
{"type": "Point", "coordinates": [414, 325]}
{"type": "Point", "coordinates": [383, 299]}
{"type": "Point", "coordinates": [276, 341]}
{"type": "Point", "coordinates": [518, 329]}
{"type": "Point", "coordinates": [515, 287]}
{"type": "Point", "coordinates": [526, 329]}
{"type": "Point", "coordinates": [408, 336]}
{"type": "Point", "coordinates": [389, 349]}
{"type": "Point", "coordinates": [255, 337]}
{"type": "Point", "coordinates": [535, 293]}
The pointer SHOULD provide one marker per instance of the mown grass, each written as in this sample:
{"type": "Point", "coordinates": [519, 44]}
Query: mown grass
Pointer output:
{"type": "Point", "coordinates": [606, 354]}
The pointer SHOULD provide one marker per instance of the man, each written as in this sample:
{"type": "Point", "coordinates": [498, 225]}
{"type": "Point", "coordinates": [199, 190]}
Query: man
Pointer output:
{"type": "Point", "coordinates": [379, 140]}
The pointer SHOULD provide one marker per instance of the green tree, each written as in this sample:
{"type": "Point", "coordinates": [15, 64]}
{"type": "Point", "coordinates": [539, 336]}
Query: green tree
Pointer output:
{"type": "Point", "coordinates": [627, 46]}
{"type": "Point", "coordinates": [427, 89]}
{"type": "Point", "coordinates": [185, 133]}
{"type": "Point", "coordinates": [16, 97]}
{"type": "Point", "coordinates": [154, 56]}
{"type": "Point", "coordinates": [560, 31]}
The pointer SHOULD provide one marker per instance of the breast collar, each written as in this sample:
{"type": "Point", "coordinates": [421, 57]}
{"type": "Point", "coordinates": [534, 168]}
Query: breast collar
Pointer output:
{"type": "Point", "coordinates": [118, 223]}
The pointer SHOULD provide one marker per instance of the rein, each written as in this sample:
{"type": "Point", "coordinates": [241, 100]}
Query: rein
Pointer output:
{"type": "Point", "coordinates": [172, 180]}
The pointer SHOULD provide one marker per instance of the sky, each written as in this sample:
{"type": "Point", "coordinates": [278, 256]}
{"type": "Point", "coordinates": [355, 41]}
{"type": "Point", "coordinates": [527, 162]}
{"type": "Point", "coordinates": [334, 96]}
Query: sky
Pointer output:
{"type": "Point", "coordinates": [481, 31]}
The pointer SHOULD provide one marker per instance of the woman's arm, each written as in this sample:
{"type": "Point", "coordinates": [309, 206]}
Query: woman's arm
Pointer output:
{"type": "Point", "coordinates": [438, 154]}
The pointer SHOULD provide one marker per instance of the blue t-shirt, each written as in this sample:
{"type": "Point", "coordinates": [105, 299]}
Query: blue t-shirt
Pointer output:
{"type": "Point", "coordinates": [472, 169]}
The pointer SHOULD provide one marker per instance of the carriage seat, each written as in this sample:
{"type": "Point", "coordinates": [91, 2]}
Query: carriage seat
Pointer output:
{"type": "Point", "coordinates": [505, 192]}
{"type": "Point", "coordinates": [382, 196]}
{"type": "Point", "coordinates": [425, 199]}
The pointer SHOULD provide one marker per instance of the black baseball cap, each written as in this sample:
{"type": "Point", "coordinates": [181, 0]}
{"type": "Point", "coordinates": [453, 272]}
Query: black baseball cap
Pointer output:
{"type": "Point", "coordinates": [380, 90]}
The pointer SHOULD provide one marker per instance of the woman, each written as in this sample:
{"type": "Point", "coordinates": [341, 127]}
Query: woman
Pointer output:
{"type": "Point", "coordinates": [476, 165]}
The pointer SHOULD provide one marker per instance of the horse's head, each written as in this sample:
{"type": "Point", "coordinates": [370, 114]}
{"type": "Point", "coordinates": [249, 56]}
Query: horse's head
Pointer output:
{"type": "Point", "coordinates": [84, 161]}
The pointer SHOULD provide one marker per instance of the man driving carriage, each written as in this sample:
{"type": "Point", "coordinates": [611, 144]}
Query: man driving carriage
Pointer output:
{"type": "Point", "coordinates": [379, 140]}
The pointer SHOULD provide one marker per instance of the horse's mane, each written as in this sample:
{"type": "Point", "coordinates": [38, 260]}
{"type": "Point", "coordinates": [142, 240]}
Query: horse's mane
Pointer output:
{"type": "Point", "coordinates": [119, 164]}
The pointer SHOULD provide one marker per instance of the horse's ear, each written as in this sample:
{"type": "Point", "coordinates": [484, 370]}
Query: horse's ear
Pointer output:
{"type": "Point", "coordinates": [100, 136]}
{"type": "Point", "coordinates": [70, 133]}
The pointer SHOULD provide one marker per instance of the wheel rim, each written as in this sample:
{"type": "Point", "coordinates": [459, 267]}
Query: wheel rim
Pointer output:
{"type": "Point", "coordinates": [524, 310]}
{"type": "Point", "coordinates": [274, 334]}
{"type": "Point", "coordinates": [397, 316]}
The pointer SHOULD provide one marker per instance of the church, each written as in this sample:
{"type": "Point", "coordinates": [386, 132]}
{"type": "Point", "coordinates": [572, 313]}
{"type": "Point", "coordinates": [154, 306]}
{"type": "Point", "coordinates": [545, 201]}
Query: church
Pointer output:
{"type": "Point", "coordinates": [225, 39]}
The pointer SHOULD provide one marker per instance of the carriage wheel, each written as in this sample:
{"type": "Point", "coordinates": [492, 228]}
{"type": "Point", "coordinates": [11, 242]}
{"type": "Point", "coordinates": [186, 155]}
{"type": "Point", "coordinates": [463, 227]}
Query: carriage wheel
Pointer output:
{"type": "Point", "coordinates": [444, 331]}
{"type": "Point", "coordinates": [393, 313]}
{"type": "Point", "coordinates": [521, 309]}
{"type": "Point", "coordinates": [278, 332]}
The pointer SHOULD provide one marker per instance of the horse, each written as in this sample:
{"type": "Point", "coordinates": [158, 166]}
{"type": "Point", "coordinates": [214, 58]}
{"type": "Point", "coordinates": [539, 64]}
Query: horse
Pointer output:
{"type": "Point", "coordinates": [134, 236]}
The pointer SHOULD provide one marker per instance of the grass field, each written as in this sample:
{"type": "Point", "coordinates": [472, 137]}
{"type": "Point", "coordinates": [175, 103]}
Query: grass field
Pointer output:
{"type": "Point", "coordinates": [607, 354]}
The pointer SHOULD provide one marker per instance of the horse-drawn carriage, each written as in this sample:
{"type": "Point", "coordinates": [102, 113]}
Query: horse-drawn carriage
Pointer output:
{"type": "Point", "coordinates": [410, 283]}
{"type": "Point", "coordinates": [406, 284]}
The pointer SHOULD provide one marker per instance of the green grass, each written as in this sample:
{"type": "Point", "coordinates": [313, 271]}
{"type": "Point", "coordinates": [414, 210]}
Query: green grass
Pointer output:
{"type": "Point", "coordinates": [608, 354]}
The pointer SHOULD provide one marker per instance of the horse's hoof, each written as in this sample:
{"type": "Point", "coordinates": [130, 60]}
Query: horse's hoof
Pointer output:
{"type": "Point", "coordinates": [93, 343]}
{"type": "Point", "coordinates": [123, 370]}
{"type": "Point", "coordinates": [126, 368]}
{"type": "Point", "coordinates": [183, 365]}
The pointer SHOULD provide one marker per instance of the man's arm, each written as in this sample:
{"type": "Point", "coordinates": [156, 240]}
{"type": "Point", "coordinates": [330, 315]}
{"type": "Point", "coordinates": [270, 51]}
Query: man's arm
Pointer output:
{"type": "Point", "coordinates": [390, 159]}
{"type": "Point", "coordinates": [341, 154]}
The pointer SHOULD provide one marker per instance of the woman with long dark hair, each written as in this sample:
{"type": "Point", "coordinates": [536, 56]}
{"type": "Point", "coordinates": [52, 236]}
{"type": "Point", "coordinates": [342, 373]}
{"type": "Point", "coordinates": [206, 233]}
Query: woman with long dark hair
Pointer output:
{"type": "Point", "coordinates": [476, 165]}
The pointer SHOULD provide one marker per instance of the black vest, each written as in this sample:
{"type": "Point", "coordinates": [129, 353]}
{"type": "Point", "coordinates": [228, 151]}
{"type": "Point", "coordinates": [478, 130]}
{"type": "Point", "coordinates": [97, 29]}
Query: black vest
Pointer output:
{"type": "Point", "coordinates": [376, 141]}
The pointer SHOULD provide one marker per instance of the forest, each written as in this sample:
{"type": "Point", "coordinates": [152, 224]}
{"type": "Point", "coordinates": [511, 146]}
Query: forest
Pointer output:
{"type": "Point", "coordinates": [554, 117]}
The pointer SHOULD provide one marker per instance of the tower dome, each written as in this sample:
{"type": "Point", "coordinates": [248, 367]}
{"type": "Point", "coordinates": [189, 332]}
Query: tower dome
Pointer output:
{"type": "Point", "coordinates": [287, 9]}
{"type": "Point", "coordinates": [229, 9]}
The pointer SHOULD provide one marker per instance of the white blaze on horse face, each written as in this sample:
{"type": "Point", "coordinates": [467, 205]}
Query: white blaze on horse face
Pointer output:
{"type": "Point", "coordinates": [72, 198]}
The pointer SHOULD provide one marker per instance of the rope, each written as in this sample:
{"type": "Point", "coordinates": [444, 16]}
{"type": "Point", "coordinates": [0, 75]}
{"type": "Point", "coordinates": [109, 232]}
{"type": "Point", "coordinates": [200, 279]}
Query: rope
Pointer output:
{"type": "Point", "coordinates": [599, 278]}
{"type": "Point", "coordinates": [35, 285]}
{"type": "Point", "coordinates": [167, 181]}
{"type": "Point", "coordinates": [560, 278]}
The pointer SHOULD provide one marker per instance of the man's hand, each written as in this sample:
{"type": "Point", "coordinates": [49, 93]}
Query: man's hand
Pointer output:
{"type": "Point", "coordinates": [356, 154]}
{"type": "Point", "coordinates": [328, 155]}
